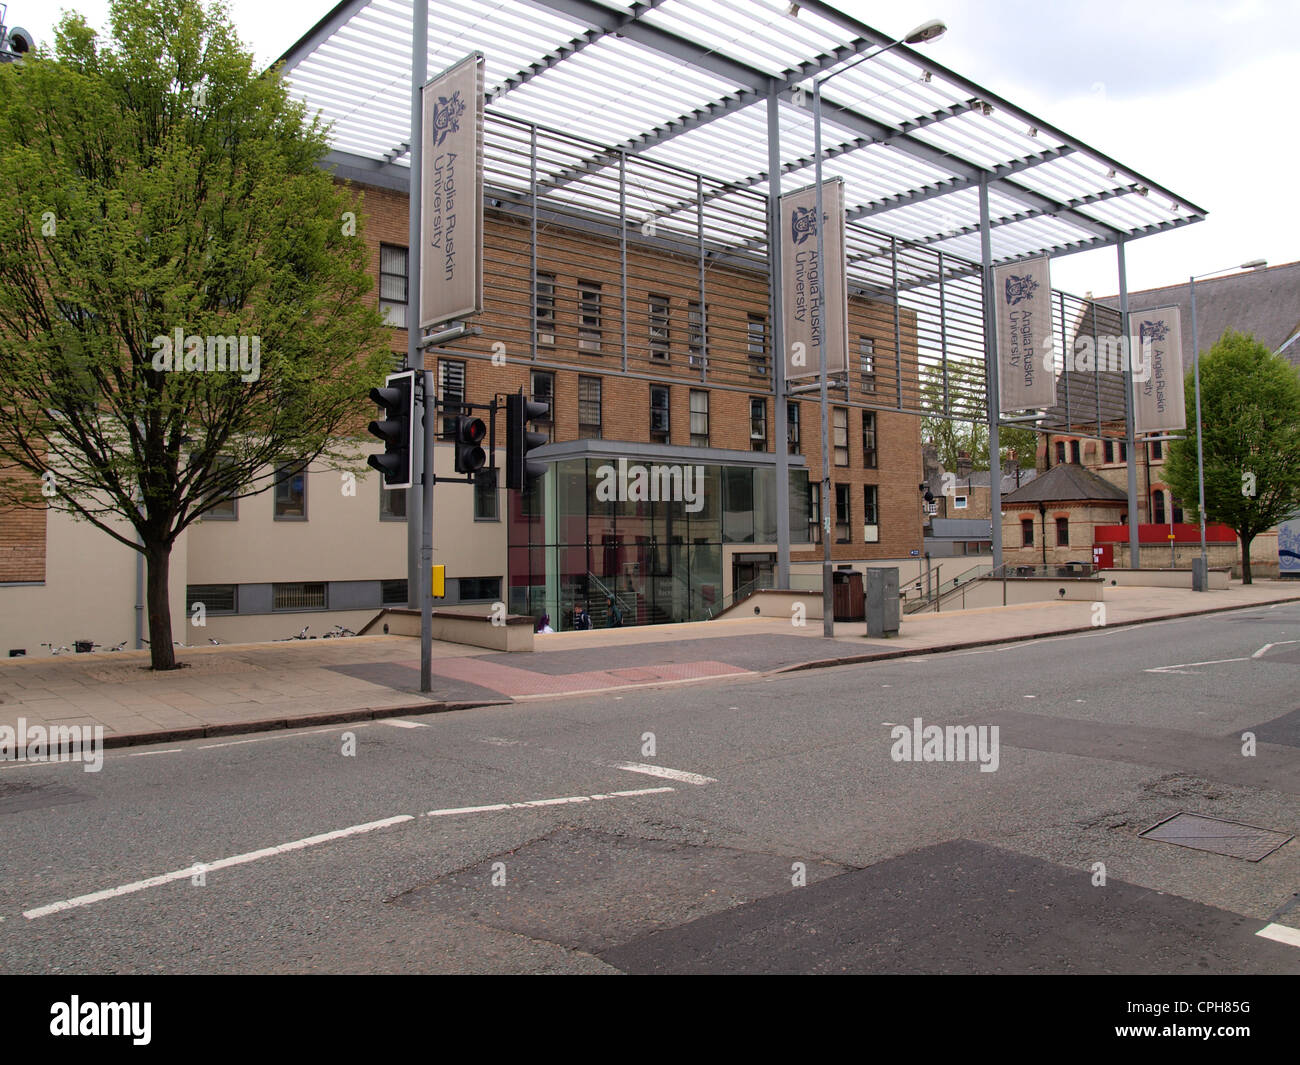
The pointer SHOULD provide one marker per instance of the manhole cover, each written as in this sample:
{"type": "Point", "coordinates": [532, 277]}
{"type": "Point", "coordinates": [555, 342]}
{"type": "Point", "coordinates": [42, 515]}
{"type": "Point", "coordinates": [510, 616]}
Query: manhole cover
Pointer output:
{"type": "Point", "coordinates": [1218, 837]}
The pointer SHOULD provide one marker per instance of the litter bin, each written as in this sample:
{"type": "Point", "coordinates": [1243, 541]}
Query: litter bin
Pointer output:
{"type": "Point", "coordinates": [882, 601]}
{"type": "Point", "coordinates": [1200, 575]}
{"type": "Point", "coordinates": [847, 588]}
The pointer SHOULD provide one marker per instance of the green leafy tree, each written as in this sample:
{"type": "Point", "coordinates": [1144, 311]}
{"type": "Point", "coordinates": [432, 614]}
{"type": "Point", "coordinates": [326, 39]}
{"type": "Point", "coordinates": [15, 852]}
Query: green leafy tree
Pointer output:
{"type": "Point", "coordinates": [153, 186]}
{"type": "Point", "coordinates": [965, 431]}
{"type": "Point", "coordinates": [1250, 418]}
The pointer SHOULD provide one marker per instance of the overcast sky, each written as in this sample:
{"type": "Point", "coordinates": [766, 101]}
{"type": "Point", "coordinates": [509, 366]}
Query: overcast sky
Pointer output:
{"type": "Point", "coordinates": [1197, 95]}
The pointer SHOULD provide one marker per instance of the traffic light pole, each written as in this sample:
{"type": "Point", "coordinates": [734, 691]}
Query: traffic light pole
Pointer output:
{"type": "Point", "coordinates": [426, 538]}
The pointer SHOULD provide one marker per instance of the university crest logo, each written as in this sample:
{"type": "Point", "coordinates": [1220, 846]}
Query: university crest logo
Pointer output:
{"type": "Point", "coordinates": [1020, 289]}
{"type": "Point", "coordinates": [803, 224]}
{"type": "Point", "coordinates": [446, 117]}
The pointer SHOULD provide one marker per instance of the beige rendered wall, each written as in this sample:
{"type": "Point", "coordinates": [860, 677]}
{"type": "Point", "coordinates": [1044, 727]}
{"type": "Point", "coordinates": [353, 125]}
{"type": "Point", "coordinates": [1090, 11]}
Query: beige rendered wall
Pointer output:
{"type": "Point", "coordinates": [89, 591]}
{"type": "Point", "coordinates": [343, 537]}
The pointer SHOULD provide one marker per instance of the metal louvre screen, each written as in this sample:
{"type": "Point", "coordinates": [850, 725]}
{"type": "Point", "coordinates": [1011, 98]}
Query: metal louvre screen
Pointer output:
{"type": "Point", "coordinates": [615, 263]}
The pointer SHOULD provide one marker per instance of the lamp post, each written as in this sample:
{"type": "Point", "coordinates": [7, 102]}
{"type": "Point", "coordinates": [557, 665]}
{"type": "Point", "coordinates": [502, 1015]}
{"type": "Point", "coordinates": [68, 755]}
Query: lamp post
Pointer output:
{"type": "Point", "coordinates": [1254, 264]}
{"type": "Point", "coordinates": [927, 31]}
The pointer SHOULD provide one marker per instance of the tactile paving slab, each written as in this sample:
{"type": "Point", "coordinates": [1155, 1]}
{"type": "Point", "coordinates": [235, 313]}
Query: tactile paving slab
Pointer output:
{"type": "Point", "coordinates": [1216, 836]}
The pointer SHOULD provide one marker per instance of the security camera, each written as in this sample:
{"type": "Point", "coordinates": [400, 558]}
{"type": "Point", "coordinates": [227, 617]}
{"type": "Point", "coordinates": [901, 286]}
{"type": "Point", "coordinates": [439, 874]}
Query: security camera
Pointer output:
{"type": "Point", "coordinates": [20, 41]}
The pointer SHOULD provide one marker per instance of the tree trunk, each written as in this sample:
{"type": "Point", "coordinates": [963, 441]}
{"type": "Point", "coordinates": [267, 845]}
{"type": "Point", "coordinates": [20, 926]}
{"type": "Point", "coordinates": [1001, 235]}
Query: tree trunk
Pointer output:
{"type": "Point", "coordinates": [1245, 558]}
{"type": "Point", "coordinates": [157, 564]}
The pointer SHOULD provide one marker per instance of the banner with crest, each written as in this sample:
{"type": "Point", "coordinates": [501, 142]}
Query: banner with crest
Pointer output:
{"type": "Point", "coordinates": [802, 278]}
{"type": "Point", "coordinates": [451, 210]}
{"type": "Point", "coordinates": [1022, 296]}
{"type": "Point", "coordinates": [1158, 404]}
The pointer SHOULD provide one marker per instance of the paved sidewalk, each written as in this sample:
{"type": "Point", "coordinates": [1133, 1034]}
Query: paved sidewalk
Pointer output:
{"type": "Point", "coordinates": [254, 687]}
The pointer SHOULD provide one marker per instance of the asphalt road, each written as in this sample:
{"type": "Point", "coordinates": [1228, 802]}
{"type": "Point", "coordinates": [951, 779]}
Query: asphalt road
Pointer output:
{"type": "Point", "coordinates": [779, 834]}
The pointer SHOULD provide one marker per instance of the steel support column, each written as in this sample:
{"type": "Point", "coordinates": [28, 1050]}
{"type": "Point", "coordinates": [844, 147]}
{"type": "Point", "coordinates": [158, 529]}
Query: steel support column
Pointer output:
{"type": "Point", "coordinates": [819, 221]}
{"type": "Point", "coordinates": [1134, 547]}
{"type": "Point", "coordinates": [414, 353]}
{"type": "Point", "coordinates": [991, 376]}
{"type": "Point", "coordinates": [775, 286]}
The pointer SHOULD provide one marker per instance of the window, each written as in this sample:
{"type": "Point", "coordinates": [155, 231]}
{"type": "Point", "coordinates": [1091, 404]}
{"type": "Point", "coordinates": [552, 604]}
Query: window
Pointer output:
{"type": "Point", "coordinates": [544, 309]}
{"type": "Point", "coordinates": [1062, 532]}
{"type": "Point", "coordinates": [792, 427]}
{"type": "Point", "coordinates": [1123, 451]}
{"type": "Point", "coordinates": [1157, 451]}
{"type": "Point", "coordinates": [1108, 449]}
{"type": "Point", "coordinates": [485, 497]}
{"type": "Point", "coordinates": [869, 439]}
{"type": "Point", "coordinates": [588, 316]}
{"type": "Point", "coordinates": [1074, 452]}
{"type": "Point", "coordinates": [393, 593]}
{"type": "Point", "coordinates": [480, 589]}
{"type": "Point", "coordinates": [958, 502]}
{"type": "Point", "coordinates": [699, 418]}
{"type": "Point", "coordinates": [392, 285]}
{"type": "Point", "coordinates": [1177, 516]}
{"type": "Point", "coordinates": [814, 513]}
{"type": "Point", "coordinates": [291, 492]}
{"type": "Point", "coordinates": [1060, 452]}
{"type": "Point", "coordinates": [589, 408]}
{"type": "Point", "coordinates": [840, 435]}
{"type": "Point", "coordinates": [228, 508]}
{"type": "Point", "coordinates": [659, 425]}
{"type": "Point", "coordinates": [696, 332]}
{"type": "Point", "coordinates": [1157, 508]}
{"type": "Point", "coordinates": [659, 327]}
{"type": "Point", "coordinates": [867, 363]}
{"type": "Point", "coordinates": [451, 389]}
{"type": "Point", "coordinates": [871, 500]}
{"type": "Point", "coordinates": [298, 596]}
{"type": "Point", "coordinates": [216, 598]}
{"type": "Point", "coordinates": [842, 514]}
{"type": "Point", "coordinates": [757, 334]}
{"type": "Point", "coordinates": [392, 503]}
{"type": "Point", "coordinates": [542, 386]}
{"type": "Point", "coordinates": [758, 424]}
{"type": "Point", "coordinates": [1027, 532]}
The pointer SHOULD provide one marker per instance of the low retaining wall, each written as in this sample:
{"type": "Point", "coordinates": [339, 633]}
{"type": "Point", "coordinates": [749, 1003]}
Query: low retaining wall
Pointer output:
{"type": "Point", "coordinates": [463, 625]}
{"type": "Point", "coordinates": [1162, 578]}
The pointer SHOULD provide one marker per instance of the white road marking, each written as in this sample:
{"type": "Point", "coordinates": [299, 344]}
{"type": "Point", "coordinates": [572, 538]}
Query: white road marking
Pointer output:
{"type": "Point", "coordinates": [562, 801]}
{"type": "Point", "coordinates": [1281, 933]}
{"type": "Point", "coordinates": [667, 774]}
{"type": "Point", "coordinates": [282, 735]}
{"type": "Point", "coordinates": [222, 863]}
{"type": "Point", "coordinates": [1264, 650]}
{"type": "Point", "coordinates": [146, 754]}
{"type": "Point", "coordinates": [1182, 667]}
{"type": "Point", "coordinates": [397, 722]}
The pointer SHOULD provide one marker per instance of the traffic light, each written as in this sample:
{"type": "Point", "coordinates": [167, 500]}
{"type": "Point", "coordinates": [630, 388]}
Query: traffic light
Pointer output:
{"type": "Point", "coordinates": [467, 435]}
{"type": "Point", "coordinates": [395, 429]}
{"type": "Point", "coordinates": [519, 441]}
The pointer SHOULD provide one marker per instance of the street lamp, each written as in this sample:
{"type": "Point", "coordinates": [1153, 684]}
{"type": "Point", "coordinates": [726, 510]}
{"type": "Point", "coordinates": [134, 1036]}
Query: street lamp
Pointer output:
{"type": "Point", "coordinates": [927, 31]}
{"type": "Point", "coordinates": [1254, 264]}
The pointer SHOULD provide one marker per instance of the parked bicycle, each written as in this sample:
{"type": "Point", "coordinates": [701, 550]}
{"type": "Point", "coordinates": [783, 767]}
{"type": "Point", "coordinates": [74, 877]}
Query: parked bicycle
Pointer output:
{"type": "Point", "coordinates": [337, 632]}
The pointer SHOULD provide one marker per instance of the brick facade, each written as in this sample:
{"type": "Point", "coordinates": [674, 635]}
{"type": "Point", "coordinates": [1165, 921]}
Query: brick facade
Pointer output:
{"type": "Point", "coordinates": [736, 301]}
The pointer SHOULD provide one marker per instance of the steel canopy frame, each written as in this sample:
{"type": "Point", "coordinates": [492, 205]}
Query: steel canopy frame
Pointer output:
{"type": "Point", "coordinates": [909, 133]}
{"type": "Point", "coordinates": [709, 98]}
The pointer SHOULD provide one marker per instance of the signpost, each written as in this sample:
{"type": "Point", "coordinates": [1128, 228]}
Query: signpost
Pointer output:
{"type": "Point", "coordinates": [451, 215]}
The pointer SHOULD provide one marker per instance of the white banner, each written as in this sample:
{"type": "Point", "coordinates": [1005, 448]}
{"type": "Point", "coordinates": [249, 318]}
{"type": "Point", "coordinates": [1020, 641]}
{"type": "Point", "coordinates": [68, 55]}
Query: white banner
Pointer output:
{"type": "Point", "coordinates": [451, 212]}
{"type": "Point", "coordinates": [1022, 295]}
{"type": "Point", "coordinates": [1158, 370]}
{"type": "Point", "coordinates": [802, 278]}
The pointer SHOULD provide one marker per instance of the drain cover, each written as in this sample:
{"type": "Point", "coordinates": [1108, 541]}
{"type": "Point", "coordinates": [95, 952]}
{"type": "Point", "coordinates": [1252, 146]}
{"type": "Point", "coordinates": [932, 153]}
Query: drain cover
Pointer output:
{"type": "Point", "coordinates": [1218, 837]}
